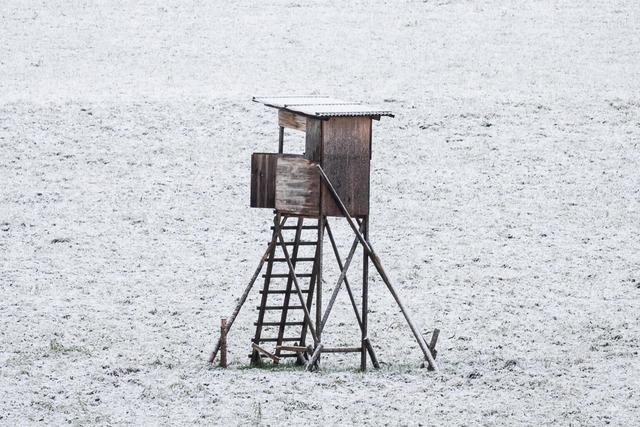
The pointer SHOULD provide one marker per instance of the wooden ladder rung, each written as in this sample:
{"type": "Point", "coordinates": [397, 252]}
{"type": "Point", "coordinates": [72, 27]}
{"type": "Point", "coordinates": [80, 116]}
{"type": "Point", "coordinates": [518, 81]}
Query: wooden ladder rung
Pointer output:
{"type": "Point", "coordinates": [294, 348]}
{"type": "Point", "coordinates": [295, 227]}
{"type": "Point", "coordinates": [280, 307]}
{"type": "Point", "coordinates": [297, 243]}
{"type": "Point", "coordinates": [279, 323]}
{"type": "Point", "coordinates": [294, 260]}
{"type": "Point", "coordinates": [283, 339]}
{"type": "Point", "coordinates": [284, 291]}
{"type": "Point", "coordinates": [285, 275]}
{"type": "Point", "coordinates": [282, 355]}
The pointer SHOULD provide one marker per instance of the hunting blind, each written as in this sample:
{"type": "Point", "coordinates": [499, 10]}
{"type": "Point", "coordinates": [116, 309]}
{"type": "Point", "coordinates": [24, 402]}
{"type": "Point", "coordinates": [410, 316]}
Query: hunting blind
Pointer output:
{"type": "Point", "coordinates": [331, 179]}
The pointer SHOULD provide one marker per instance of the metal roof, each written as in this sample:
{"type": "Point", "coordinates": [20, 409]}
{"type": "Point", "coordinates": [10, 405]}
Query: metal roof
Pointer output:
{"type": "Point", "coordinates": [322, 106]}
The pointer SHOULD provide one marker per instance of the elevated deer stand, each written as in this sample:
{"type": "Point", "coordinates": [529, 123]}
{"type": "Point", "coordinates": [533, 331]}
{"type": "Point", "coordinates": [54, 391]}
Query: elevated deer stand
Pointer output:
{"type": "Point", "coordinates": [331, 179]}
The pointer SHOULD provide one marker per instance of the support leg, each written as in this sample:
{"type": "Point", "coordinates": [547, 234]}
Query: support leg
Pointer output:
{"type": "Point", "coordinates": [378, 265]}
{"type": "Point", "coordinates": [365, 296]}
{"type": "Point", "coordinates": [318, 338]}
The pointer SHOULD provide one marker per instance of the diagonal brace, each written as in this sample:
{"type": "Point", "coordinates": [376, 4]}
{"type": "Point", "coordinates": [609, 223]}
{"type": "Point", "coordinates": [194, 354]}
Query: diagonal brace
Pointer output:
{"type": "Point", "coordinates": [341, 278]}
{"type": "Point", "coordinates": [346, 281]}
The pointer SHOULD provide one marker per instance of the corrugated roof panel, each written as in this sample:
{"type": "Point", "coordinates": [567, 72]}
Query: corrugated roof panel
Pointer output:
{"type": "Point", "coordinates": [322, 106]}
{"type": "Point", "coordinates": [334, 110]}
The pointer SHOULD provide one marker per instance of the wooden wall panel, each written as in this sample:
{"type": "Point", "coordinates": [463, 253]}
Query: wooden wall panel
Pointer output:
{"type": "Point", "coordinates": [313, 140]}
{"type": "Point", "coordinates": [290, 120]}
{"type": "Point", "coordinates": [345, 159]}
{"type": "Point", "coordinates": [297, 186]}
{"type": "Point", "coordinates": [263, 180]}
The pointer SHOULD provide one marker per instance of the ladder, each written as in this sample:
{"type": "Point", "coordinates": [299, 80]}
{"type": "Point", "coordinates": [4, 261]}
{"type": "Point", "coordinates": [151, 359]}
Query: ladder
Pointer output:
{"type": "Point", "coordinates": [281, 319]}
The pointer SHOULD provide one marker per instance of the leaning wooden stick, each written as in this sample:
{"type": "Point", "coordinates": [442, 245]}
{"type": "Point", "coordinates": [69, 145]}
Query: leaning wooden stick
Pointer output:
{"type": "Point", "coordinates": [378, 265]}
{"type": "Point", "coordinates": [244, 296]}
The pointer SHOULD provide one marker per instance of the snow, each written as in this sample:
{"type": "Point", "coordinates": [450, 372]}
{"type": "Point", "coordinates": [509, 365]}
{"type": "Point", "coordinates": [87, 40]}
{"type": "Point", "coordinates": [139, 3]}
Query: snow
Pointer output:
{"type": "Point", "coordinates": [505, 207]}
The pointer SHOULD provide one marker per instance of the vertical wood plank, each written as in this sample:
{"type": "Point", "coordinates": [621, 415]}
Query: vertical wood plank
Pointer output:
{"type": "Point", "coordinates": [263, 180]}
{"type": "Point", "coordinates": [313, 140]}
{"type": "Point", "coordinates": [345, 159]}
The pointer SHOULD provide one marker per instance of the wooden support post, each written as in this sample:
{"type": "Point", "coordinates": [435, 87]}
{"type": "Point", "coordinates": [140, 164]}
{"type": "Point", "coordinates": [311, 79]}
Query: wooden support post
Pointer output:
{"type": "Point", "coordinates": [318, 338]}
{"type": "Point", "coordinates": [432, 344]}
{"type": "Point", "coordinates": [365, 296]}
{"type": "Point", "coordinates": [434, 341]}
{"type": "Point", "coordinates": [378, 265]}
{"type": "Point", "coordinates": [281, 140]}
{"type": "Point", "coordinates": [374, 359]}
{"type": "Point", "coordinates": [223, 343]}
{"type": "Point", "coordinates": [321, 222]}
{"type": "Point", "coordinates": [244, 296]}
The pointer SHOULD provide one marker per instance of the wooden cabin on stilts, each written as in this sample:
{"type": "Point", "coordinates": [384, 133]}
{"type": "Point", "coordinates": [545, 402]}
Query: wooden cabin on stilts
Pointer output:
{"type": "Point", "coordinates": [330, 180]}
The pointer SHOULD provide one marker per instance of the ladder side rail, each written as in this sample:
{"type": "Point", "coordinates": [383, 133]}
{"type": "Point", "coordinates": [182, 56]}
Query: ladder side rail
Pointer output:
{"type": "Point", "coordinates": [312, 286]}
{"type": "Point", "coordinates": [287, 295]}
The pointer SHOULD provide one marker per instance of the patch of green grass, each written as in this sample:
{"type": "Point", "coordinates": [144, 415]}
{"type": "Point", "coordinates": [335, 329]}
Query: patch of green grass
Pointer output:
{"type": "Point", "coordinates": [273, 367]}
{"type": "Point", "coordinates": [57, 347]}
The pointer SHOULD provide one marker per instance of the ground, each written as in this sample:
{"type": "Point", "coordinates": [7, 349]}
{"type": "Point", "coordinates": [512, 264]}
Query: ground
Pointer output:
{"type": "Point", "coordinates": [505, 207]}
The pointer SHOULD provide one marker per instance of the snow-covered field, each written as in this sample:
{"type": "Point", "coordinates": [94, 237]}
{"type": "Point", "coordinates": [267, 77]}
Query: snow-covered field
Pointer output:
{"type": "Point", "coordinates": [505, 207]}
